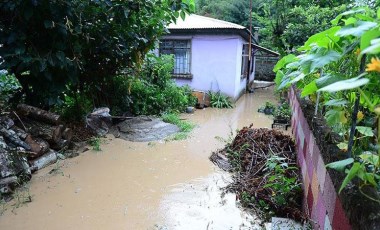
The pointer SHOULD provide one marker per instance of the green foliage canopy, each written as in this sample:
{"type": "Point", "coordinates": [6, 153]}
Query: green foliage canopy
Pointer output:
{"type": "Point", "coordinates": [48, 44]}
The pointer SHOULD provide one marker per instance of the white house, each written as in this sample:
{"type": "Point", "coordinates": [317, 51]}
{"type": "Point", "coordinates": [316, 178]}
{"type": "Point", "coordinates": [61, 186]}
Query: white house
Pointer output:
{"type": "Point", "coordinates": [211, 54]}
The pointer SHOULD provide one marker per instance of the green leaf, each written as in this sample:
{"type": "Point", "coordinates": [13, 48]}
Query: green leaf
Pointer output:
{"type": "Point", "coordinates": [367, 37]}
{"type": "Point", "coordinates": [350, 175]}
{"type": "Point", "coordinates": [309, 89]}
{"type": "Point", "coordinates": [374, 48]}
{"type": "Point", "coordinates": [350, 12]}
{"type": "Point", "coordinates": [370, 158]}
{"type": "Point", "coordinates": [183, 15]}
{"type": "Point", "coordinates": [356, 30]}
{"type": "Point", "coordinates": [335, 116]}
{"type": "Point", "coordinates": [279, 77]}
{"type": "Point", "coordinates": [340, 165]}
{"type": "Point", "coordinates": [349, 21]}
{"type": "Point", "coordinates": [378, 13]}
{"type": "Point", "coordinates": [284, 61]}
{"type": "Point", "coordinates": [343, 146]}
{"type": "Point", "coordinates": [345, 84]}
{"type": "Point", "coordinates": [298, 76]}
{"type": "Point", "coordinates": [314, 61]}
{"type": "Point", "coordinates": [366, 131]}
{"type": "Point", "coordinates": [336, 102]}
{"type": "Point", "coordinates": [322, 39]}
{"type": "Point", "coordinates": [370, 177]}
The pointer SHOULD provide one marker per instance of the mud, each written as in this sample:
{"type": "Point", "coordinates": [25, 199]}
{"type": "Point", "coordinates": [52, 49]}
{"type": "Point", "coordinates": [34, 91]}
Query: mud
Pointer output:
{"type": "Point", "coordinates": [135, 185]}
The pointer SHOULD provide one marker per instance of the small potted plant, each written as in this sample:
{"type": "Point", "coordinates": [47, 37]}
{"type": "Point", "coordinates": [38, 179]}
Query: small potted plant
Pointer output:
{"type": "Point", "coordinates": [268, 108]}
{"type": "Point", "coordinates": [283, 114]}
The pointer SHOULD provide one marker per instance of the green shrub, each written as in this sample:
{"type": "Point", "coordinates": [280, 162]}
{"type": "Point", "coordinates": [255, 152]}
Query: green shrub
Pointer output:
{"type": "Point", "coordinates": [218, 100]}
{"type": "Point", "coordinates": [9, 86]}
{"type": "Point", "coordinates": [155, 92]}
{"type": "Point", "coordinates": [74, 105]}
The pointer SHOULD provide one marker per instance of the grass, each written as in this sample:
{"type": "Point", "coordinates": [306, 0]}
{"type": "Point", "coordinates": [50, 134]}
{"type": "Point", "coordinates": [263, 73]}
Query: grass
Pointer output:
{"type": "Point", "coordinates": [184, 126]}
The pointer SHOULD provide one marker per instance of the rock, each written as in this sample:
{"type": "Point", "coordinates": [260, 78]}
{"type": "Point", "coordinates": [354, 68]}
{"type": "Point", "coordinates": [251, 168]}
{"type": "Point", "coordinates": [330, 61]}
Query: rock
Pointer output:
{"type": "Point", "coordinates": [144, 129]}
{"type": "Point", "coordinates": [7, 122]}
{"type": "Point", "coordinates": [190, 109]}
{"type": "Point", "coordinates": [99, 121]}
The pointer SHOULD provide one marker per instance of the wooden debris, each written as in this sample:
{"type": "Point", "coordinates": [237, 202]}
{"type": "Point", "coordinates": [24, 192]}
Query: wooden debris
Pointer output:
{"type": "Point", "coordinates": [39, 114]}
{"type": "Point", "coordinates": [31, 134]}
{"type": "Point", "coordinates": [43, 161]}
{"type": "Point", "coordinates": [38, 146]}
{"type": "Point", "coordinates": [13, 138]}
{"type": "Point", "coordinates": [248, 156]}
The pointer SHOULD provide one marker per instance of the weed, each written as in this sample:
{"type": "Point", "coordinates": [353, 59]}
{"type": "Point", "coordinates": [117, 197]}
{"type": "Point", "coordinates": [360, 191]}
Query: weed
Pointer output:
{"type": "Point", "coordinates": [151, 144]}
{"type": "Point", "coordinates": [95, 143]}
{"type": "Point", "coordinates": [3, 206]}
{"type": "Point", "coordinates": [218, 100]}
{"type": "Point", "coordinates": [21, 196]}
{"type": "Point", "coordinates": [57, 169]}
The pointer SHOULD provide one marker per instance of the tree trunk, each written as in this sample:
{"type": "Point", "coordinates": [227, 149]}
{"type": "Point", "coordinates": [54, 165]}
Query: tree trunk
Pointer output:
{"type": "Point", "coordinates": [39, 114]}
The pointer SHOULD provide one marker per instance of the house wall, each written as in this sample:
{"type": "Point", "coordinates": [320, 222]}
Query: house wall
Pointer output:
{"type": "Point", "coordinates": [215, 64]}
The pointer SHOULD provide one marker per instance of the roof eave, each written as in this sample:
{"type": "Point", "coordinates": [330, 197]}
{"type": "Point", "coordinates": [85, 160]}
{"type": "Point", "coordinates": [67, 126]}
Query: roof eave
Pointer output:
{"type": "Point", "coordinates": [244, 33]}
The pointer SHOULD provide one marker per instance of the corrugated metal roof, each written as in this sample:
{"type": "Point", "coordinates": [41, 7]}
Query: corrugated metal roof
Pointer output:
{"type": "Point", "coordinates": [194, 21]}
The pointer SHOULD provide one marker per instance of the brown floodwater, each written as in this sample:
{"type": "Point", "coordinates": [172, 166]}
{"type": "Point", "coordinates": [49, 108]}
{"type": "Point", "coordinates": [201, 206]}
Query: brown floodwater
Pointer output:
{"type": "Point", "coordinates": [156, 185]}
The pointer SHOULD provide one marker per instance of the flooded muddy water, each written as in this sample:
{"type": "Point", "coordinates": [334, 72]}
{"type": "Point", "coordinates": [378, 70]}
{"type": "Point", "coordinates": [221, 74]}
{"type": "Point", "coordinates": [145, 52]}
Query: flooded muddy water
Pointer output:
{"type": "Point", "coordinates": [155, 185]}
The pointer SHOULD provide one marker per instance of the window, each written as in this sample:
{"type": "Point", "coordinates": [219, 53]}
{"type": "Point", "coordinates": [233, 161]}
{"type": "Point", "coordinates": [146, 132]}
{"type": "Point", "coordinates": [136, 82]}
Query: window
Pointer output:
{"type": "Point", "coordinates": [244, 60]}
{"type": "Point", "coordinates": [181, 51]}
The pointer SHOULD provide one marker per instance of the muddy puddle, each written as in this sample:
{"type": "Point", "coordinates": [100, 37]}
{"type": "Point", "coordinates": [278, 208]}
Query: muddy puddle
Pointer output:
{"type": "Point", "coordinates": [155, 185]}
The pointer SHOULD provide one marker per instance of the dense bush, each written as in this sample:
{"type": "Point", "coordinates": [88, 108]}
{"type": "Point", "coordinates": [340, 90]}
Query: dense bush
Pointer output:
{"type": "Point", "coordinates": [154, 92]}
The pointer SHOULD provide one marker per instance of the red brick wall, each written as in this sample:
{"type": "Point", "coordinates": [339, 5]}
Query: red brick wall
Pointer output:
{"type": "Point", "coordinates": [320, 198]}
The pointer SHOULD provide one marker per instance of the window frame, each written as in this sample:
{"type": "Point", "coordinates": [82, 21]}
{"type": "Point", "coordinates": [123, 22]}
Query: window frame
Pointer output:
{"type": "Point", "coordinates": [244, 61]}
{"type": "Point", "coordinates": [171, 50]}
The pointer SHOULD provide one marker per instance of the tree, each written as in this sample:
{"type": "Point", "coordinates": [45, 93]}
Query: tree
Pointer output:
{"type": "Point", "coordinates": [284, 24]}
{"type": "Point", "coordinates": [50, 44]}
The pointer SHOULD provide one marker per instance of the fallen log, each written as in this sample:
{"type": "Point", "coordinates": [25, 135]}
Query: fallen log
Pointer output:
{"type": "Point", "coordinates": [38, 147]}
{"type": "Point", "coordinates": [12, 137]}
{"type": "Point", "coordinates": [52, 134]}
{"type": "Point", "coordinates": [43, 161]}
{"type": "Point", "coordinates": [39, 114]}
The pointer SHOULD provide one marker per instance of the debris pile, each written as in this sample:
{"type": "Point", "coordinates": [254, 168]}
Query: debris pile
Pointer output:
{"type": "Point", "coordinates": [266, 174]}
{"type": "Point", "coordinates": [30, 139]}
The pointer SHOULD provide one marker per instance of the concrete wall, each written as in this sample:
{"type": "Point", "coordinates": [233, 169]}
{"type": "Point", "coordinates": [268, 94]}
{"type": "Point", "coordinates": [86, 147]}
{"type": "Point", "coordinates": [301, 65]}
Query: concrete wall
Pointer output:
{"type": "Point", "coordinates": [215, 64]}
{"type": "Point", "coordinates": [321, 201]}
